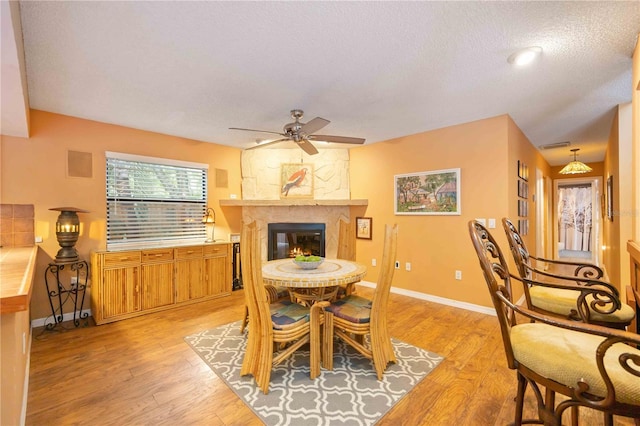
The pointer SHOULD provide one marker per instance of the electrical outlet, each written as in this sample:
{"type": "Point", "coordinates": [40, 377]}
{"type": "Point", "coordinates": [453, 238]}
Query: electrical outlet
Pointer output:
{"type": "Point", "coordinates": [373, 262]}
{"type": "Point", "coordinates": [482, 221]}
{"type": "Point", "coordinates": [397, 264]}
{"type": "Point", "coordinates": [407, 266]}
{"type": "Point", "coordinates": [74, 282]}
{"type": "Point", "coordinates": [458, 275]}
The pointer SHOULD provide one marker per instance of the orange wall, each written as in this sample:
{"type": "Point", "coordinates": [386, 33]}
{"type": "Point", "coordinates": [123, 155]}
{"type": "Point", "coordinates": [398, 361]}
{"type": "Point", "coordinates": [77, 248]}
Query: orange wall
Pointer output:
{"type": "Point", "coordinates": [486, 151]}
{"type": "Point", "coordinates": [34, 172]}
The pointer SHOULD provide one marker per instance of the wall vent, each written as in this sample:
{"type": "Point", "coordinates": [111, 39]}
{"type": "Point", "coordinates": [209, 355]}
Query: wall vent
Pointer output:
{"type": "Point", "coordinates": [555, 145]}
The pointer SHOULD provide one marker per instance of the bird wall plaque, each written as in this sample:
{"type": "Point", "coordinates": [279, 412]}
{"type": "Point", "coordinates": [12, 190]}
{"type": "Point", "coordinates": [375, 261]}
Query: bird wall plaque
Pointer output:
{"type": "Point", "coordinates": [296, 181]}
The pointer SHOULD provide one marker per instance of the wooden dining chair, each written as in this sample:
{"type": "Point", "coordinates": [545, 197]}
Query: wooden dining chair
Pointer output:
{"type": "Point", "coordinates": [276, 330]}
{"type": "Point", "coordinates": [353, 317]}
{"type": "Point", "coordinates": [592, 365]}
{"type": "Point", "coordinates": [274, 294]}
{"type": "Point", "coordinates": [603, 308]}
{"type": "Point", "coordinates": [346, 251]}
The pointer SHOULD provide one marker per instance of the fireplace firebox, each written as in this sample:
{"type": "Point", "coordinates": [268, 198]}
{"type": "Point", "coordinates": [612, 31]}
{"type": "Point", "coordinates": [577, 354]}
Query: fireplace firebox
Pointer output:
{"type": "Point", "coordinates": [287, 240]}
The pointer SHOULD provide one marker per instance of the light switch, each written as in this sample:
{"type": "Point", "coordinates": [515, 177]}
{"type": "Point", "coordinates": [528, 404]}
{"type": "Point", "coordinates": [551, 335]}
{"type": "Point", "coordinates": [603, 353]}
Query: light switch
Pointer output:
{"type": "Point", "coordinates": [492, 223]}
{"type": "Point", "coordinates": [482, 221]}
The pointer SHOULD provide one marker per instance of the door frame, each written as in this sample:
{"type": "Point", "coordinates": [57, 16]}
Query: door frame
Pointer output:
{"type": "Point", "coordinates": [596, 198]}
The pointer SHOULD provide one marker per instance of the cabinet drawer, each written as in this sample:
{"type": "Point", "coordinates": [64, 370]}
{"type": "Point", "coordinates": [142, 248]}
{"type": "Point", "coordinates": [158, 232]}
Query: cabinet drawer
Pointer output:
{"type": "Point", "coordinates": [121, 259]}
{"type": "Point", "coordinates": [188, 252]}
{"type": "Point", "coordinates": [159, 255]}
{"type": "Point", "coordinates": [216, 250]}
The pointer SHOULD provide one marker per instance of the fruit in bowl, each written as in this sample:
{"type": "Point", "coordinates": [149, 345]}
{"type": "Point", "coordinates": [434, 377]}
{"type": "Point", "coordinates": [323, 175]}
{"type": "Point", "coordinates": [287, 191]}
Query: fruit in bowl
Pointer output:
{"type": "Point", "coordinates": [308, 262]}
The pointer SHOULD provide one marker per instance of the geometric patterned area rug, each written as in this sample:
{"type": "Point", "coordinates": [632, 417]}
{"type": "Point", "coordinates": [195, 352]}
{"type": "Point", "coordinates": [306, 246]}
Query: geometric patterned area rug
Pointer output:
{"type": "Point", "coordinates": [351, 394]}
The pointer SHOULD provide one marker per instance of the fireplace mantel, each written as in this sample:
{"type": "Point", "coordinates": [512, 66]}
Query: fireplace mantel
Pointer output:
{"type": "Point", "coordinates": [291, 202]}
{"type": "Point", "coordinates": [297, 210]}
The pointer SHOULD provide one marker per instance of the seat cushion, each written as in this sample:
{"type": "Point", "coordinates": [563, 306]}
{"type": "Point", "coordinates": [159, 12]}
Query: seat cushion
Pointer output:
{"type": "Point", "coordinates": [567, 356]}
{"type": "Point", "coordinates": [352, 308]}
{"type": "Point", "coordinates": [562, 301]}
{"type": "Point", "coordinates": [286, 314]}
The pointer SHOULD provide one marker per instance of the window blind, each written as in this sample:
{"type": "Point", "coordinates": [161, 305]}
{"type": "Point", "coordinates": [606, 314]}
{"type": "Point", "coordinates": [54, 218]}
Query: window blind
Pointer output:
{"type": "Point", "coordinates": [154, 201]}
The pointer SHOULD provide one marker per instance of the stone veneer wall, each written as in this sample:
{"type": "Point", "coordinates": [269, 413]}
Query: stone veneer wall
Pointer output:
{"type": "Point", "coordinates": [261, 173]}
{"type": "Point", "coordinates": [261, 181]}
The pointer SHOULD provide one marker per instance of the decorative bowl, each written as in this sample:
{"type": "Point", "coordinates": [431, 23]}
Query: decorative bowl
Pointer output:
{"type": "Point", "coordinates": [308, 265]}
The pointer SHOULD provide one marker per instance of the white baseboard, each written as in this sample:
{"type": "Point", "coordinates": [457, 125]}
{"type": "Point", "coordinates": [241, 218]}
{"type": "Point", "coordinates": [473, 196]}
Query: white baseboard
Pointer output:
{"type": "Point", "coordinates": [436, 299]}
{"type": "Point", "coordinates": [40, 322]}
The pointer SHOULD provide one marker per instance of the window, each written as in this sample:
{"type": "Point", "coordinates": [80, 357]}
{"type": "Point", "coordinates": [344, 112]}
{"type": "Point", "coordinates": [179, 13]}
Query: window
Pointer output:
{"type": "Point", "coordinates": [154, 201]}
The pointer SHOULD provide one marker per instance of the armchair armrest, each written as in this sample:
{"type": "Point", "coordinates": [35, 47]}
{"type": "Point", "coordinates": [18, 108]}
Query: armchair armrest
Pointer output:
{"type": "Point", "coordinates": [591, 296]}
{"type": "Point", "coordinates": [584, 270]}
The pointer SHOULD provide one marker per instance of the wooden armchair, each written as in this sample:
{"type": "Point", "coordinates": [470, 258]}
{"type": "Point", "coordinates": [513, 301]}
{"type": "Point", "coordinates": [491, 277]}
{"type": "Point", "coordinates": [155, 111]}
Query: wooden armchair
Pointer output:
{"type": "Point", "coordinates": [603, 307]}
{"type": "Point", "coordinates": [283, 326]}
{"type": "Point", "coordinates": [352, 317]}
{"type": "Point", "coordinates": [593, 366]}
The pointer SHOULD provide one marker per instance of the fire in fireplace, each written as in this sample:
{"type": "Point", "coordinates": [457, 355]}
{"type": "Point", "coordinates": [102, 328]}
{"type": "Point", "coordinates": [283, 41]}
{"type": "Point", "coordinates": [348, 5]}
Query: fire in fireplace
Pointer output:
{"type": "Point", "coordinates": [291, 239]}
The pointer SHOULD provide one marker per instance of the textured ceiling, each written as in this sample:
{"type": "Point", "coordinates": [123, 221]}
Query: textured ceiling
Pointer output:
{"type": "Point", "coordinates": [377, 70]}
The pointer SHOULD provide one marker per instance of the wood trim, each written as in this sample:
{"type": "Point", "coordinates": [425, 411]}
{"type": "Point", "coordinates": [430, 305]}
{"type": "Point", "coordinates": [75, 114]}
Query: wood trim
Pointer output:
{"type": "Point", "coordinates": [17, 267]}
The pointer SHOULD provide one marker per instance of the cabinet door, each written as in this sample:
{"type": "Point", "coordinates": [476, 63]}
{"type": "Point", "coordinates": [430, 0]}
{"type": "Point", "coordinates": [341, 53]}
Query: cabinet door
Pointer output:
{"type": "Point", "coordinates": [120, 287]}
{"type": "Point", "coordinates": [216, 279]}
{"type": "Point", "coordinates": [157, 285]}
{"type": "Point", "coordinates": [189, 283]}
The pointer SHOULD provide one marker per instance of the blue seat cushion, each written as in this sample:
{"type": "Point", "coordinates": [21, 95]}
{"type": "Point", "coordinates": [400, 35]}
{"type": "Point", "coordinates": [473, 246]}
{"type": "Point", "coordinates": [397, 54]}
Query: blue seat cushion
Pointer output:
{"type": "Point", "coordinates": [286, 314]}
{"type": "Point", "coordinates": [352, 308]}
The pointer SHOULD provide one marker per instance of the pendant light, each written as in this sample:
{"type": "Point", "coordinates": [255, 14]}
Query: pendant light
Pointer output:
{"type": "Point", "coordinates": [575, 167]}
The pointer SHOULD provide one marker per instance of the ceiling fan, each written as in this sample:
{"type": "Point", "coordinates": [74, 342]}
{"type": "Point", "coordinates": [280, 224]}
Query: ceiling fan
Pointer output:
{"type": "Point", "coordinates": [302, 133]}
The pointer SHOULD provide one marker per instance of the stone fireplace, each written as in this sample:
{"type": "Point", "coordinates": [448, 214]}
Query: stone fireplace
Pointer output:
{"type": "Point", "coordinates": [327, 212]}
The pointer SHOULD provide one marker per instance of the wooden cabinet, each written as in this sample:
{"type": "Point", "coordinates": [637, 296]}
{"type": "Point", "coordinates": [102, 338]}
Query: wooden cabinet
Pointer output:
{"type": "Point", "coordinates": [217, 279]}
{"type": "Point", "coordinates": [157, 270]}
{"type": "Point", "coordinates": [131, 283]}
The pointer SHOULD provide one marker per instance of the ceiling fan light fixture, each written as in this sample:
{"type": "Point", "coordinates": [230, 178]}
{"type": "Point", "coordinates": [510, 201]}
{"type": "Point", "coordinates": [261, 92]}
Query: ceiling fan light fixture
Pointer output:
{"type": "Point", "coordinates": [575, 167]}
{"type": "Point", "coordinates": [525, 56]}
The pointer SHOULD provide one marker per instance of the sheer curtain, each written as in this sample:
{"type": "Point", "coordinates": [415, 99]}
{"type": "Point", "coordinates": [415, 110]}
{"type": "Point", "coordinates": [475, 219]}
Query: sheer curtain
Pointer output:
{"type": "Point", "coordinates": [575, 217]}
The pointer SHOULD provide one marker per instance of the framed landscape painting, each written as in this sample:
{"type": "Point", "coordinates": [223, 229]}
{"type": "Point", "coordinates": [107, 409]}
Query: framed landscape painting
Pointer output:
{"type": "Point", "coordinates": [428, 193]}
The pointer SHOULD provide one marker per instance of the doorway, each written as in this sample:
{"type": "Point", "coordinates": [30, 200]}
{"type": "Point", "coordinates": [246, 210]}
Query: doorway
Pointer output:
{"type": "Point", "coordinates": [578, 220]}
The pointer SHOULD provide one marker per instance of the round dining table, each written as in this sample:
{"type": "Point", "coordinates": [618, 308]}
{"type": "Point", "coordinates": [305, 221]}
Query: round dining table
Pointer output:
{"type": "Point", "coordinates": [310, 285]}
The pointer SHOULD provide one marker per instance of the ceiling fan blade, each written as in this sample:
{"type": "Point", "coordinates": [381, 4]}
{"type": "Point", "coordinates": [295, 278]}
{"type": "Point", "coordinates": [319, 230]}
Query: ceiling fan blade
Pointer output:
{"type": "Point", "coordinates": [254, 130]}
{"type": "Point", "coordinates": [314, 125]}
{"type": "Point", "coordinates": [338, 139]}
{"type": "Point", "coordinates": [307, 147]}
{"type": "Point", "coordinates": [263, 144]}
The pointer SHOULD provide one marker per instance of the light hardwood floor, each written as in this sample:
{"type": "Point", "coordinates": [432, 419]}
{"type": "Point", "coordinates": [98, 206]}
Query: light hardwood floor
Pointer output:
{"type": "Point", "coordinates": [141, 372]}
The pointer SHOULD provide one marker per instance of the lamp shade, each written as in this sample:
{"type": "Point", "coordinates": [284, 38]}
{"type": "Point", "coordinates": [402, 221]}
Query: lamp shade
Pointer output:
{"type": "Point", "coordinates": [67, 233]}
{"type": "Point", "coordinates": [575, 166]}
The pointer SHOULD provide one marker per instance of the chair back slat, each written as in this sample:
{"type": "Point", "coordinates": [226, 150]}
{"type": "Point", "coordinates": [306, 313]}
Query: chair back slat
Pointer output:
{"type": "Point", "coordinates": [496, 273]}
{"type": "Point", "coordinates": [518, 248]}
{"type": "Point", "coordinates": [346, 240]}
{"type": "Point", "coordinates": [383, 284]}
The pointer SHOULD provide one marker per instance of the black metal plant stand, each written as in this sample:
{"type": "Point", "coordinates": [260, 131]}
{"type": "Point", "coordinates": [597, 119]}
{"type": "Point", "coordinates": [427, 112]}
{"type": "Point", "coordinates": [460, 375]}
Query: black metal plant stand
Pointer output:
{"type": "Point", "coordinates": [60, 292]}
